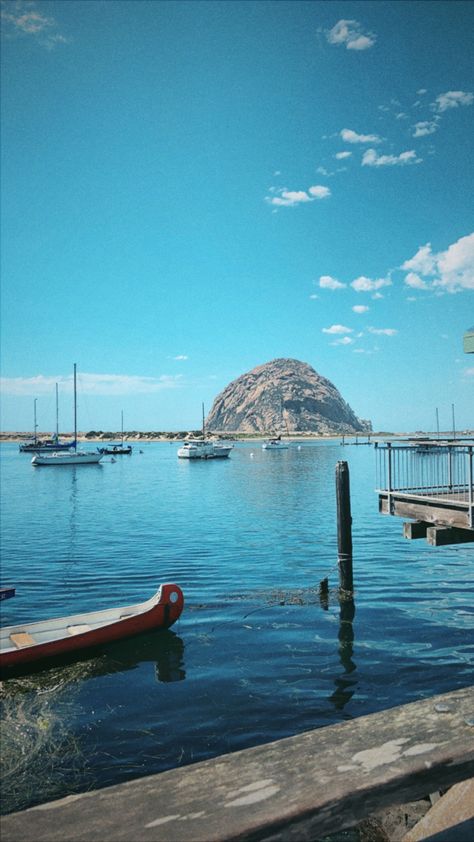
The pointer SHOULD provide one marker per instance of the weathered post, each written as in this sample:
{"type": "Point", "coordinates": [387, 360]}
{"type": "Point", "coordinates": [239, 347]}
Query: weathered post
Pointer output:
{"type": "Point", "coordinates": [344, 527]}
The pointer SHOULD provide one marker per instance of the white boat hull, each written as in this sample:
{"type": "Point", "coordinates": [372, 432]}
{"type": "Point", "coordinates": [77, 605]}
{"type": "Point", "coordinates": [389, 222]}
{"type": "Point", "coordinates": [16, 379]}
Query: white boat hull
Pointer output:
{"type": "Point", "coordinates": [80, 457]}
{"type": "Point", "coordinates": [201, 449]}
{"type": "Point", "coordinates": [274, 445]}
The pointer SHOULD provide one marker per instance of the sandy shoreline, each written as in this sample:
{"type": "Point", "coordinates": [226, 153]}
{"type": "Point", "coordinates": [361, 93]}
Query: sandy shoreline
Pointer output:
{"type": "Point", "coordinates": [144, 437]}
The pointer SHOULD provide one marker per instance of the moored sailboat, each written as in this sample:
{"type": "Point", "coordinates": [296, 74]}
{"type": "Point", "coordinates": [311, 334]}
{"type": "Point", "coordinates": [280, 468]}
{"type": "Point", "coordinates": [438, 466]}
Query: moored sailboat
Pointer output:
{"type": "Point", "coordinates": [116, 448]}
{"type": "Point", "coordinates": [46, 445]}
{"type": "Point", "coordinates": [72, 456]}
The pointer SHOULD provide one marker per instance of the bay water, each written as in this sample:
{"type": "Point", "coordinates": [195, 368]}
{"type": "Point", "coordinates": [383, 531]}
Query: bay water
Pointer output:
{"type": "Point", "coordinates": [256, 655]}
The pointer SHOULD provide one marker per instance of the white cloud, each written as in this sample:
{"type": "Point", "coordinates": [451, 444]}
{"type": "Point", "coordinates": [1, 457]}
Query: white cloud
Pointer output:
{"type": "Point", "coordinates": [363, 284]}
{"type": "Point", "coordinates": [326, 282]}
{"type": "Point", "coordinates": [21, 19]}
{"type": "Point", "coordinates": [350, 34]}
{"type": "Point", "coordinates": [319, 191]}
{"type": "Point", "coordinates": [452, 99]}
{"type": "Point", "coordinates": [360, 308]}
{"type": "Point", "coordinates": [181, 357]}
{"type": "Point", "coordinates": [383, 331]}
{"type": "Point", "coordinates": [469, 372]}
{"type": "Point", "coordinates": [372, 159]}
{"type": "Point", "coordinates": [450, 271]}
{"type": "Point", "coordinates": [422, 91]}
{"type": "Point", "coordinates": [423, 261]}
{"type": "Point", "coordinates": [88, 384]}
{"type": "Point", "coordinates": [346, 340]}
{"type": "Point", "coordinates": [350, 136]}
{"type": "Point", "coordinates": [341, 155]}
{"type": "Point", "coordinates": [415, 282]}
{"type": "Point", "coordinates": [338, 329]}
{"type": "Point", "coordinates": [425, 127]}
{"type": "Point", "coordinates": [314, 296]}
{"type": "Point", "coordinates": [291, 198]}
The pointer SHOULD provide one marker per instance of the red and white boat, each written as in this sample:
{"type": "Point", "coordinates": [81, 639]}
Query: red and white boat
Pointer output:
{"type": "Point", "coordinates": [31, 642]}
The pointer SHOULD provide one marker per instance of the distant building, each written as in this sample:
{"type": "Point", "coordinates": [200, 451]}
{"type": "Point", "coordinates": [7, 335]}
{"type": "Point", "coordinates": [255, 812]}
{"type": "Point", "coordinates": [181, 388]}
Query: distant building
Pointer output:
{"type": "Point", "coordinates": [468, 342]}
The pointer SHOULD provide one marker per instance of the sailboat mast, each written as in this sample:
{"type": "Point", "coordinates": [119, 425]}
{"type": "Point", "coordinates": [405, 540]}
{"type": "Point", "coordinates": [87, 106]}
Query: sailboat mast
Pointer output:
{"type": "Point", "coordinates": [122, 427]}
{"type": "Point", "coordinates": [34, 421]}
{"type": "Point", "coordinates": [57, 414]}
{"type": "Point", "coordinates": [203, 424]}
{"type": "Point", "coordinates": [75, 410]}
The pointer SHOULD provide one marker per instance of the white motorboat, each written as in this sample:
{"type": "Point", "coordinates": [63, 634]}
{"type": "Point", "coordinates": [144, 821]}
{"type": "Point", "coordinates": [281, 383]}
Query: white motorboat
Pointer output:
{"type": "Point", "coordinates": [275, 444]}
{"type": "Point", "coordinates": [69, 457]}
{"type": "Point", "coordinates": [203, 449]}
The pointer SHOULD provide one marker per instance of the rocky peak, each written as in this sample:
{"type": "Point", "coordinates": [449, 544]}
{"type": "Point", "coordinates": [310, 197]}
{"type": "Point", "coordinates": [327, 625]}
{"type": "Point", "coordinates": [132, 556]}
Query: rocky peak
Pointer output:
{"type": "Point", "coordinates": [283, 395]}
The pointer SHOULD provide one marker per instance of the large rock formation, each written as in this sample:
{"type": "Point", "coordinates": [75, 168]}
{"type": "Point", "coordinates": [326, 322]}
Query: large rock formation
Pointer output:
{"type": "Point", "coordinates": [283, 395]}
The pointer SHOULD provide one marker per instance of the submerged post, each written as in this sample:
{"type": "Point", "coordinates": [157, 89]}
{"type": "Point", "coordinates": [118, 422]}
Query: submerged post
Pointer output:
{"type": "Point", "coordinates": [344, 527]}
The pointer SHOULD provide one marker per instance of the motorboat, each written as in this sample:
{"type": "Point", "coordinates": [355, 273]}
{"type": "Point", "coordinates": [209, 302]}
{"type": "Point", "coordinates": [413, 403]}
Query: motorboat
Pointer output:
{"type": "Point", "coordinates": [203, 449]}
{"type": "Point", "coordinates": [33, 642]}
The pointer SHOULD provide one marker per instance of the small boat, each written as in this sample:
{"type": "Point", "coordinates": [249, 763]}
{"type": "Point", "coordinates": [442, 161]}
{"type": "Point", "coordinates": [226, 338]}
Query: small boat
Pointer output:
{"type": "Point", "coordinates": [32, 642]}
{"type": "Point", "coordinates": [203, 448]}
{"type": "Point", "coordinates": [72, 456]}
{"type": "Point", "coordinates": [116, 448]}
{"type": "Point", "coordinates": [275, 444]}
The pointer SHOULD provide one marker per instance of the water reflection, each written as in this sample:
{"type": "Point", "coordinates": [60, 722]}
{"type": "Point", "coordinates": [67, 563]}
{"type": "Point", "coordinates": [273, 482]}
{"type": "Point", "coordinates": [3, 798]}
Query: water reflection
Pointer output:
{"type": "Point", "coordinates": [345, 686]}
{"type": "Point", "coordinates": [163, 648]}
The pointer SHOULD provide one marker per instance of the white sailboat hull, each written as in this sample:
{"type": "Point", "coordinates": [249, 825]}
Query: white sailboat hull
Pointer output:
{"type": "Point", "coordinates": [79, 457]}
{"type": "Point", "coordinates": [202, 449]}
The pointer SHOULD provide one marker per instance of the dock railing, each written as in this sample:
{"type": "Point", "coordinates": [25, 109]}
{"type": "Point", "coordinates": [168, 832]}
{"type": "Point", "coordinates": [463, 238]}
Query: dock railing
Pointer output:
{"type": "Point", "coordinates": [429, 470]}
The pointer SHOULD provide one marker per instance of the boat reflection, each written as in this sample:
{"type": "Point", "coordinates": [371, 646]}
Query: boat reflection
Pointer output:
{"type": "Point", "coordinates": [345, 685]}
{"type": "Point", "coordinates": [163, 648]}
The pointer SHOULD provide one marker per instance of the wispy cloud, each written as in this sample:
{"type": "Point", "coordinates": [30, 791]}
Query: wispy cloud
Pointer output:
{"type": "Point", "coordinates": [337, 329]}
{"type": "Point", "coordinates": [371, 158]}
{"type": "Point", "coordinates": [22, 18]}
{"type": "Point", "coordinates": [341, 155]}
{"type": "Point", "coordinates": [363, 284]}
{"type": "Point", "coordinates": [383, 331]}
{"type": "Point", "coordinates": [289, 198]}
{"type": "Point", "coordinates": [349, 33]}
{"type": "Point", "coordinates": [469, 372]}
{"type": "Point", "coordinates": [449, 271]}
{"type": "Point", "coordinates": [345, 340]}
{"type": "Point", "coordinates": [350, 136]}
{"type": "Point", "coordinates": [326, 282]}
{"type": "Point", "coordinates": [360, 308]}
{"type": "Point", "coordinates": [88, 384]}
{"type": "Point", "coordinates": [452, 99]}
{"type": "Point", "coordinates": [180, 357]}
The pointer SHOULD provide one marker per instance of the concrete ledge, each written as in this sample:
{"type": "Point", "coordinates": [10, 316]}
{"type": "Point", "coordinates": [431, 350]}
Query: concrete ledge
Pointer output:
{"type": "Point", "coordinates": [296, 789]}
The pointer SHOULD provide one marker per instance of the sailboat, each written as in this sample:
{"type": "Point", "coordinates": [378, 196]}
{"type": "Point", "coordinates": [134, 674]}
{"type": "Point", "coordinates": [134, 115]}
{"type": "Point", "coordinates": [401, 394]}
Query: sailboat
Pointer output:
{"type": "Point", "coordinates": [72, 456]}
{"type": "Point", "coordinates": [116, 448]}
{"type": "Point", "coordinates": [46, 445]}
{"type": "Point", "coordinates": [275, 442]}
{"type": "Point", "coordinates": [203, 448]}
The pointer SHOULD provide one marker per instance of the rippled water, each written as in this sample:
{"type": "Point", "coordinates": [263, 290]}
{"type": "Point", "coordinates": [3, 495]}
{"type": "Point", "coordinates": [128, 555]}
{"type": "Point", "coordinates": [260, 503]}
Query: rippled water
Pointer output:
{"type": "Point", "coordinates": [255, 655]}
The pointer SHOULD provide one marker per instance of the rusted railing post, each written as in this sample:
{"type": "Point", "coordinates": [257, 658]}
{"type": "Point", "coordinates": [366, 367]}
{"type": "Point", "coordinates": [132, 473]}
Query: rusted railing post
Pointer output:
{"type": "Point", "coordinates": [344, 527]}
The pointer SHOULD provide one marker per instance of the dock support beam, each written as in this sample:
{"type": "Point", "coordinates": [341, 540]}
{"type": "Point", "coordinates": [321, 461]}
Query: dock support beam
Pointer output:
{"type": "Point", "coordinates": [438, 536]}
{"type": "Point", "coordinates": [344, 527]}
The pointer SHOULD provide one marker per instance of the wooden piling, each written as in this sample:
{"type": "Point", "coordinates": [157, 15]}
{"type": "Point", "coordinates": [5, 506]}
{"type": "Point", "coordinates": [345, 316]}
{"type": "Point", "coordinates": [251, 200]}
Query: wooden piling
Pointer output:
{"type": "Point", "coordinates": [344, 527]}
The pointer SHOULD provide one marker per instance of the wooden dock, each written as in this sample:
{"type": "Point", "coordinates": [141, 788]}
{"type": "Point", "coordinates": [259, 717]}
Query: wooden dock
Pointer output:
{"type": "Point", "coordinates": [432, 486]}
{"type": "Point", "coordinates": [299, 788]}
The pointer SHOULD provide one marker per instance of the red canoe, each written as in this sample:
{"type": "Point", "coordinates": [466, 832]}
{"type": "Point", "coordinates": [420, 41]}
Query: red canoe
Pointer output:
{"type": "Point", "coordinates": [25, 644]}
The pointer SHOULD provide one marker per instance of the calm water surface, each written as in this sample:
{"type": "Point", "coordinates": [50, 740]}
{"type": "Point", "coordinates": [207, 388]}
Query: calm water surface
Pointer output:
{"type": "Point", "coordinates": [255, 656]}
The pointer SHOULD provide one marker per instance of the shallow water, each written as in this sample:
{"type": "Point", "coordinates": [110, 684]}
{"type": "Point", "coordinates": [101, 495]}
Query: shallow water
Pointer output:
{"type": "Point", "coordinates": [255, 655]}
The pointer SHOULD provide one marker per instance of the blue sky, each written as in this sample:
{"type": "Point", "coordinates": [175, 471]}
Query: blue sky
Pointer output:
{"type": "Point", "coordinates": [191, 189]}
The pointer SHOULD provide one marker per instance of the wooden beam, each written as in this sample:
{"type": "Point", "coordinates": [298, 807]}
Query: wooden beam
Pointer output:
{"type": "Point", "coordinates": [438, 536]}
{"type": "Point", "coordinates": [416, 529]}
{"type": "Point", "coordinates": [302, 787]}
{"type": "Point", "coordinates": [429, 511]}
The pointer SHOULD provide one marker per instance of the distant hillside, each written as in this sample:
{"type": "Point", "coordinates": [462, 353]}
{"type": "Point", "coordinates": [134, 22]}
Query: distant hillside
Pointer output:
{"type": "Point", "coordinates": [283, 395]}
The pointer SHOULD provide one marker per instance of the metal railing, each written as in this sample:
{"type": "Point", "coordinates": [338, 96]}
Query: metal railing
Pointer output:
{"type": "Point", "coordinates": [435, 470]}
